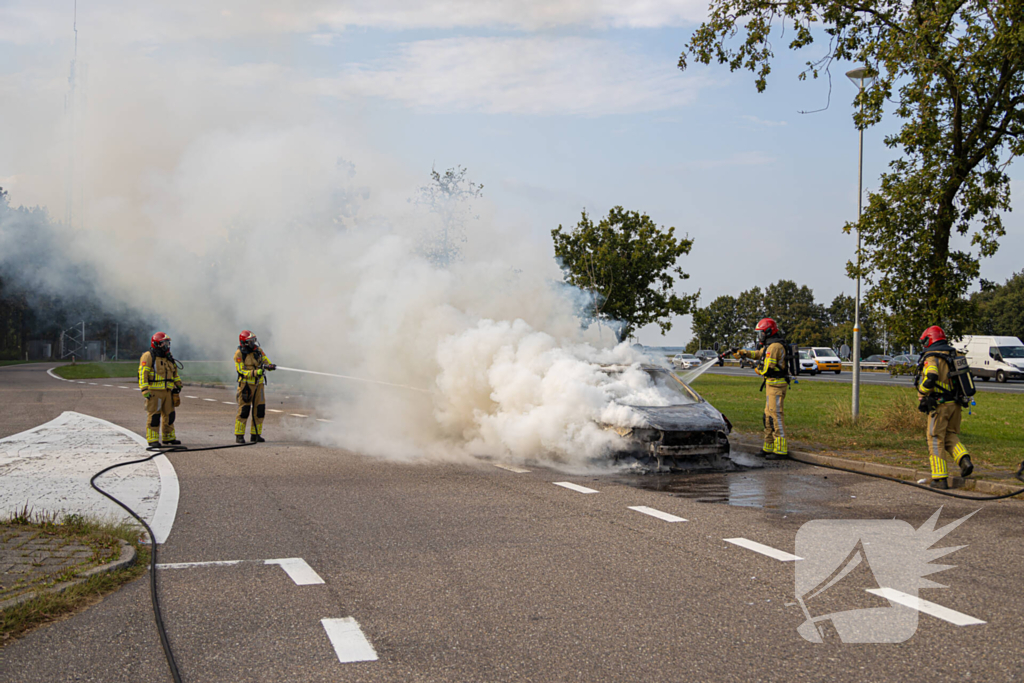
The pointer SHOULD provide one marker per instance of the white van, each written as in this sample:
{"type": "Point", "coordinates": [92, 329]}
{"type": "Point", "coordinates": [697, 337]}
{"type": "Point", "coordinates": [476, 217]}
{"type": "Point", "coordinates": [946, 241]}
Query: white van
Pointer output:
{"type": "Point", "coordinates": [999, 357]}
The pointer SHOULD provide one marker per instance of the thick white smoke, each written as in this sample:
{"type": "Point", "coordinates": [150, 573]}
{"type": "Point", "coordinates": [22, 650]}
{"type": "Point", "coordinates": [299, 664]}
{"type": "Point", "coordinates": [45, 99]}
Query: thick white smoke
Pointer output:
{"type": "Point", "coordinates": [291, 225]}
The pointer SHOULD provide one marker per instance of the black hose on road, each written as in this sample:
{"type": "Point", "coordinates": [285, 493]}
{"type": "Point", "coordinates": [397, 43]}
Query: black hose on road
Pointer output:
{"type": "Point", "coordinates": [155, 451]}
{"type": "Point", "coordinates": [1019, 475]}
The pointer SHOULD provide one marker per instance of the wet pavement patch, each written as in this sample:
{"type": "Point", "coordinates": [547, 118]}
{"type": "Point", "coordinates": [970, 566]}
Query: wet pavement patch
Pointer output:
{"type": "Point", "coordinates": [778, 489]}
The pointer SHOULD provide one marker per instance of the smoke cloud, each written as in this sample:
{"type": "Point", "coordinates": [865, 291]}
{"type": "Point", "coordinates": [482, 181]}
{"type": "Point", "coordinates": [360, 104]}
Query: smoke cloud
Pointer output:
{"type": "Point", "coordinates": [221, 199]}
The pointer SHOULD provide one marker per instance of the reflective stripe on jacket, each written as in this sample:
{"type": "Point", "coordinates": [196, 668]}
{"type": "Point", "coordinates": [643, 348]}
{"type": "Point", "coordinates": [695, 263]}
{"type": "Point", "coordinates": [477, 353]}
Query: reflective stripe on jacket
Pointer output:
{"type": "Point", "coordinates": [773, 362]}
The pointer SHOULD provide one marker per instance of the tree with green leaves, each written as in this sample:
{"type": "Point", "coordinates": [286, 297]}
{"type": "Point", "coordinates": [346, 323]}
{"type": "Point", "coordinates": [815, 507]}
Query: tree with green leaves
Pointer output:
{"type": "Point", "coordinates": [629, 266]}
{"type": "Point", "coordinates": [1001, 307]}
{"type": "Point", "coordinates": [719, 322]}
{"type": "Point", "coordinates": [956, 69]}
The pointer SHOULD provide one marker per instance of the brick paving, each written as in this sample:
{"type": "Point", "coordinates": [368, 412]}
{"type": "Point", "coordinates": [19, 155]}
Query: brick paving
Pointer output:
{"type": "Point", "coordinates": [31, 559]}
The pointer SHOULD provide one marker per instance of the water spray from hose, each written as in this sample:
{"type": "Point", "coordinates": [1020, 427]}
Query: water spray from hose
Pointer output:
{"type": "Point", "coordinates": [357, 379]}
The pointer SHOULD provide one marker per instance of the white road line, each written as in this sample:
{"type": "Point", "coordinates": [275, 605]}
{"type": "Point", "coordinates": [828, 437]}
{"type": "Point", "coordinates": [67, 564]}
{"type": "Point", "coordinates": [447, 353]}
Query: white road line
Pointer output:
{"type": "Point", "coordinates": [124, 387]}
{"type": "Point", "coordinates": [511, 468]}
{"type": "Point", "coordinates": [275, 411]}
{"type": "Point", "coordinates": [573, 487]}
{"type": "Point", "coordinates": [81, 382]}
{"type": "Point", "coordinates": [109, 385]}
{"type": "Point", "coordinates": [348, 640]}
{"type": "Point", "coordinates": [657, 513]}
{"type": "Point", "coordinates": [299, 571]}
{"type": "Point", "coordinates": [190, 565]}
{"type": "Point", "coordinates": [298, 415]}
{"type": "Point", "coordinates": [191, 397]}
{"type": "Point", "coordinates": [228, 403]}
{"type": "Point", "coordinates": [94, 384]}
{"type": "Point", "coordinates": [211, 400]}
{"type": "Point", "coordinates": [763, 549]}
{"type": "Point", "coordinates": [320, 419]}
{"type": "Point", "coordinates": [55, 376]}
{"type": "Point", "coordinates": [938, 611]}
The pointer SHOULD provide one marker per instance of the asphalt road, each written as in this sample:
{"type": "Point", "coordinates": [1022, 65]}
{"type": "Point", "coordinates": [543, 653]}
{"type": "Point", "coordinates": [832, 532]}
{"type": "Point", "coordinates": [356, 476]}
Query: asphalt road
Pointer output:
{"type": "Point", "coordinates": [882, 378]}
{"type": "Point", "coordinates": [469, 572]}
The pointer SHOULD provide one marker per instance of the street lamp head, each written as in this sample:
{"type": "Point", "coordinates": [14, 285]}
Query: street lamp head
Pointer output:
{"type": "Point", "coordinates": [862, 76]}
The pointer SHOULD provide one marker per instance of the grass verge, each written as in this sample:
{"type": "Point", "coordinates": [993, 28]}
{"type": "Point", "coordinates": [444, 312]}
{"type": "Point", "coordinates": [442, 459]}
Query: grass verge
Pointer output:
{"type": "Point", "coordinates": [890, 429]}
{"type": "Point", "coordinates": [102, 538]}
{"type": "Point", "coordinates": [207, 372]}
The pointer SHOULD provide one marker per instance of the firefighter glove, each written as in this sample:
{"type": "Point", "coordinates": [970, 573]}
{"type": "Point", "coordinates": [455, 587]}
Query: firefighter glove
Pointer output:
{"type": "Point", "coordinates": [176, 390]}
{"type": "Point", "coordinates": [270, 366]}
{"type": "Point", "coordinates": [927, 404]}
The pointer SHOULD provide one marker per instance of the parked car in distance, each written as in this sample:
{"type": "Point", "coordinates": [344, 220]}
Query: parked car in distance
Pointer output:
{"type": "Point", "coordinates": [877, 358]}
{"type": "Point", "coordinates": [826, 359]}
{"type": "Point", "coordinates": [685, 361]}
{"type": "Point", "coordinates": [707, 354]}
{"type": "Point", "coordinates": [905, 359]}
{"type": "Point", "coordinates": [807, 362]}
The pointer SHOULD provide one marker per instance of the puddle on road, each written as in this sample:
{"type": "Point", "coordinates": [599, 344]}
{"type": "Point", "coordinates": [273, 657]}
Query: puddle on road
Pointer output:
{"type": "Point", "coordinates": [777, 489]}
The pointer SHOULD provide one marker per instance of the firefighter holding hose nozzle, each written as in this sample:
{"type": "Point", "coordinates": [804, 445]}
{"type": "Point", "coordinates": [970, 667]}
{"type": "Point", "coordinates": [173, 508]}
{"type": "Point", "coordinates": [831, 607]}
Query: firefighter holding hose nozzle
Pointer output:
{"type": "Point", "coordinates": [773, 365]}
{"type": "Point", "coordinates": [161, 387]}
{"type": "Point", "coordinates": [944, 387]}
{"type": "Point", "coordinates": [251, 364]}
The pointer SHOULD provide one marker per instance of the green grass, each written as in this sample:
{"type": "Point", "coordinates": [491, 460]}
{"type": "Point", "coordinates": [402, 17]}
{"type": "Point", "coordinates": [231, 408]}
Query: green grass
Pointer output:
{"type": "Point", "coordinates": [103, 538]}
{"type": "Point", "coordinates": [215, 372]}
{"type": "Point", "coordinates": [890, 429]}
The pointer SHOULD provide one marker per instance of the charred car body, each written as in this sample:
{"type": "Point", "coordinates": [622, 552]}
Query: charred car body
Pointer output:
{"type": "Point", "coordinates": [689, 434]}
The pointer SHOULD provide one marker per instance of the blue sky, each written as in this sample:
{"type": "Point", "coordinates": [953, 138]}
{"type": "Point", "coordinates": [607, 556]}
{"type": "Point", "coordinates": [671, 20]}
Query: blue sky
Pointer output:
{"type": "Point", "coordinates": [555, 107]}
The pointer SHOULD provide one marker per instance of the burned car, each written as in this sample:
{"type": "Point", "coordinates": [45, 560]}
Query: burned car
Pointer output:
{"type": "Point", "coordinates": [684, 432]}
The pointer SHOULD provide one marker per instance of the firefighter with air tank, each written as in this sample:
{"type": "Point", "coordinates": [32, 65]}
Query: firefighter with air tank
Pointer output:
{"type": "Point", "coordinates": [251, 364]}
{"type": "Point", "coordinates": [161, 387]}
{"type": "Point", "coordinates": [773, 365]}
{"type": "Point", "coordinates": [944, 387]}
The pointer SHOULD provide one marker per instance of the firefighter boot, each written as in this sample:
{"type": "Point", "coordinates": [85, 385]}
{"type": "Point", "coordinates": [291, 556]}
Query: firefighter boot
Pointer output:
{"type": "Point", "coordinates": [255, 438]}
{"type": "Point", "coordinates": [939, 483]}
{"type": "Point", "coordinates": [239, 438]}
{"type": "Point", "coordinates": [172, 442]}
{"type": "Point", "coordinates": [966, 466]}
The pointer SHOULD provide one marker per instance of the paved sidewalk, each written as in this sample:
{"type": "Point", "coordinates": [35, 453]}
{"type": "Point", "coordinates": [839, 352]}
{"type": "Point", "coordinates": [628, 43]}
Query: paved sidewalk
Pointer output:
{"type": "Point", "coordinates": [31, 559]}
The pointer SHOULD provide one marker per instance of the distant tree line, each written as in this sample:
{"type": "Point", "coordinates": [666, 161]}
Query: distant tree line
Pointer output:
{"type": "Point", "coordinates": [730, 321]}
{"type": "Point", "coordinates": [1000, 308]}
{"type": "Point", "coordinates": [44, 291]}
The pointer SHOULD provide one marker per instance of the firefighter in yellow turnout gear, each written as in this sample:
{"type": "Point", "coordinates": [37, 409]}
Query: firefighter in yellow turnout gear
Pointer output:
{"type": "Point", "coordinates": [939, 396]}
{"type": "Point", "coordinates": [251, 364]}
{"type": "Point", "coordinates": [772, 366]}
{"type": "Point", "coordinates": [160, 386]}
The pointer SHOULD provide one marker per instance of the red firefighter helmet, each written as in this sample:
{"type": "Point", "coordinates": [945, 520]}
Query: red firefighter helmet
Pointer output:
{"type": "Point", "coordinates": [159, 339]}
{"type": "Point", "coordinates": [765, 328]}
{"type": "Point", "coordinates": [247, 338]}
{"type": "Point", "coordinates": [931, 335]}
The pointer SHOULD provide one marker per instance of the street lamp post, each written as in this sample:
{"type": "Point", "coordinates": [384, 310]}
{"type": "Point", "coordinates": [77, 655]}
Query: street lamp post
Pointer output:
{"type": "Point", "coordinates": [862, 77]}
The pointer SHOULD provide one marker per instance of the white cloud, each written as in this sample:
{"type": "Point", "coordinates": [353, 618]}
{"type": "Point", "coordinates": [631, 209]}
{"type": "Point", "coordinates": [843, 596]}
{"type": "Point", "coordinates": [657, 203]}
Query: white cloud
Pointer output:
{"type": "Point", "coordinates": [129, 21]}
{"type": "Point", "coordinates": [762, 122]}
{"type": "Point", "coordinates": [534, 75]}
{"type": "Point", "coordinates": [322, 39]}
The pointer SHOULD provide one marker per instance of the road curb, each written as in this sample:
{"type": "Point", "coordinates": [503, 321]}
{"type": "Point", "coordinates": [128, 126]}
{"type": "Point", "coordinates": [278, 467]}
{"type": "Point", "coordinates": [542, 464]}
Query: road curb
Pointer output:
{"type": "Point", "coordinates": [906, 473]}
{"type": "Point", "coordinates": [126, 559]}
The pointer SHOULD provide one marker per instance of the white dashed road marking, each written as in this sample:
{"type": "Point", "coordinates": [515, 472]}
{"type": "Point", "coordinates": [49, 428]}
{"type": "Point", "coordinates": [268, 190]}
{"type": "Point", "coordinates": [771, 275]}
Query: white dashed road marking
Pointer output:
{"type": "Point", "coordinates": [348, 640]}
{"type": "Point", "coordinates": [298, 415]}
{"type": "Point", "coordinates": [763, 549]}
{"type": "Point", "coordinates": [573, 487]}
{"type": "Point", "coordinates": [938, 611]}
{"type": "Point", "coordinates": [191, 397]}
{"type": "Point", "coordinates": [299, 571]}
{"type": "Point", "coordinates": [657, 513]}
{"type": "Point", "coordinates": [511, 468]}
{"type": "Point", "coordinates": [228, 403]}
{"type": "Point", "coordinates": [320, 419]}
{"type": "Point", "coordinates": [124, 387]}
{"type": "Point", "coordinates": [275, 411]}
{"type": "Point", "coordinates": [211, 400]}
{"type": "Point", "coordinates": [109, 385]}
